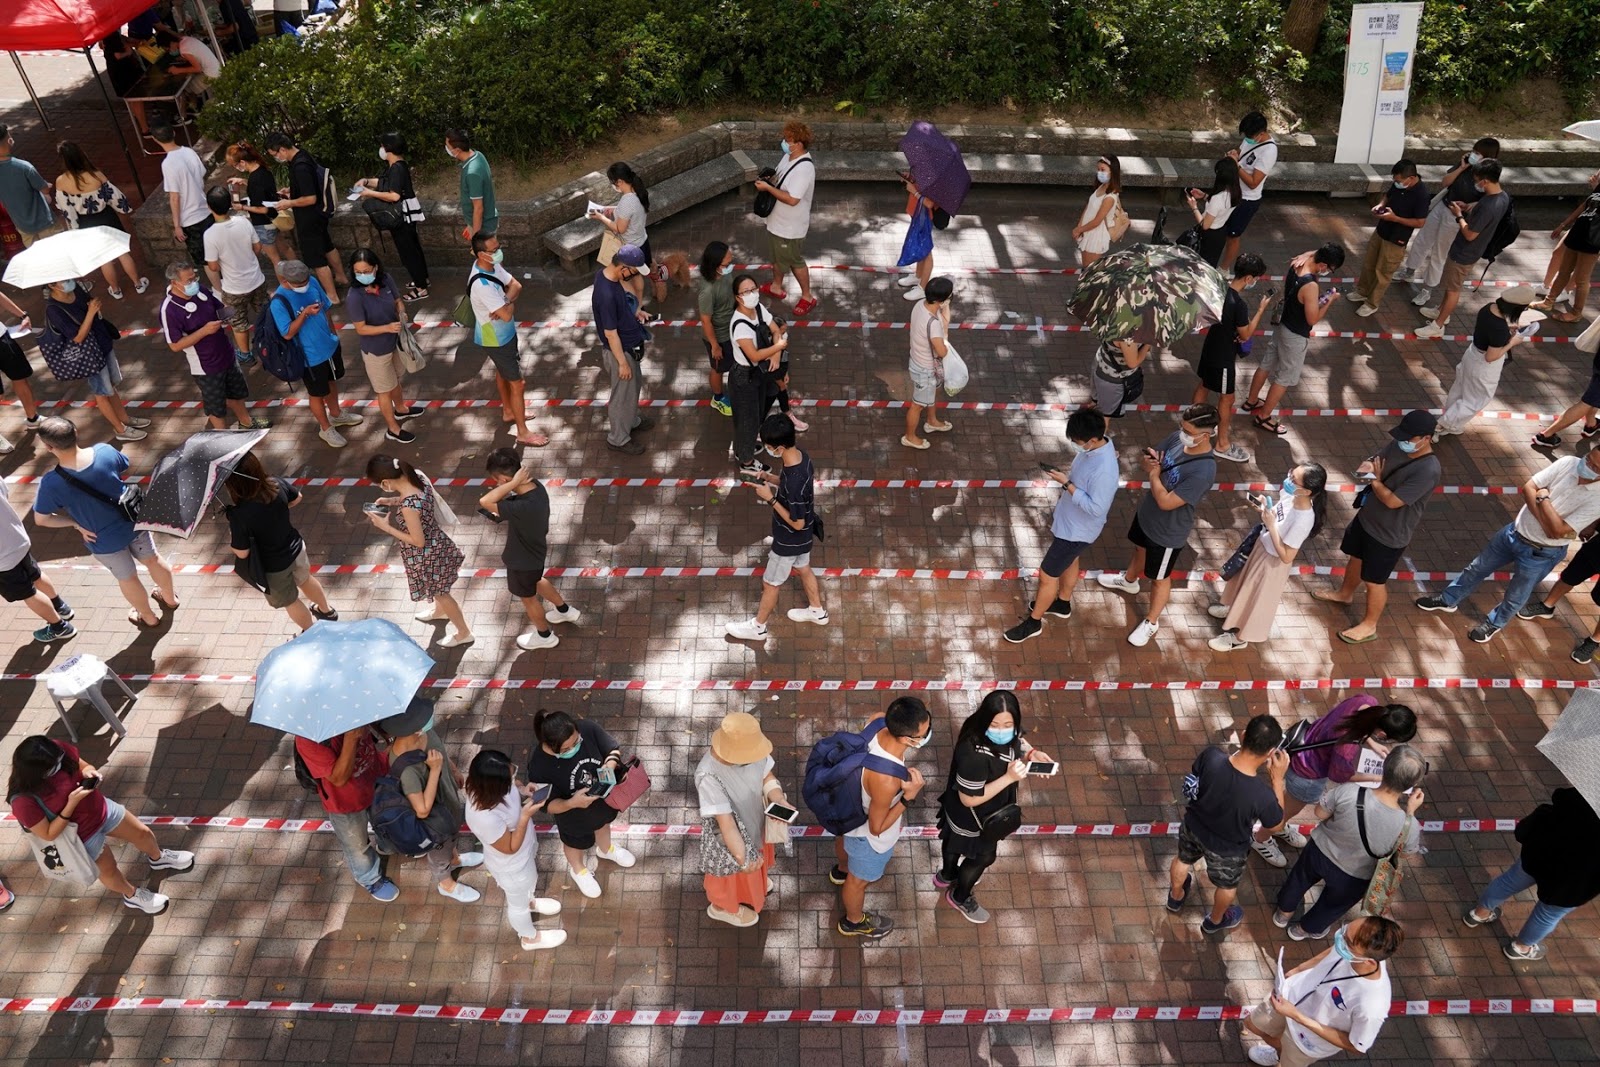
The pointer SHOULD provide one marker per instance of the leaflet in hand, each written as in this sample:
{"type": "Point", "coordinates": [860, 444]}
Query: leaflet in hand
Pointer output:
{"type": "Point", "coordinates": [1278, 978]}
{"type": "Point", "coordinates": [596, 209]}
{"type": "Point", "coordinates": [1370, 763]}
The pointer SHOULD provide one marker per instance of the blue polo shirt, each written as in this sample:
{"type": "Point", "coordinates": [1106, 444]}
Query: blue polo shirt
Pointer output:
{"type": "Point", "coordinates": [316, 336]}
{"type": "Point", "coordinates": [111, 528]}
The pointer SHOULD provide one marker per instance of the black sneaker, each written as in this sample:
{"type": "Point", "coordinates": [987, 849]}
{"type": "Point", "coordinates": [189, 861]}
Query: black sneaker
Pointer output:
{"type": "Point", "coordinates": [1541, 440]}
{"type": "Point", "coordinates": [870, 927]}
{"type": "Point", "coordinates": [408, 413]}
{"type": "Point", "coordinates": [62, 608]}
{"type": "Point", "coordinates": [755, 466]}
{"type": "Point", "coordinates": [1483, 633]}
{"type": "Point", "coordinates": [1435, 603]}
{"type": "Point", "coordinates": [1536, 610]}
{"type": "Point", "coordinates": [404, 437]}
{"type": "Point", "coordinates": [1585, 651]}
{"type": "Point", "coordinates": [1059, 609]}
{"type": "Point", "coordinates": [1028, 627]}
{"type": "Point", "coordinates": [836, 876]}
{"type": "Point", "coordinates": [1590, 429]}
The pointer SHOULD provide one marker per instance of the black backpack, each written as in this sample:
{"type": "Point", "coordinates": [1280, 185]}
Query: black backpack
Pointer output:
{"type": "Point", "coordinates": [1504, 234]}
{"type": "Point", "coordinates": [302, 773]}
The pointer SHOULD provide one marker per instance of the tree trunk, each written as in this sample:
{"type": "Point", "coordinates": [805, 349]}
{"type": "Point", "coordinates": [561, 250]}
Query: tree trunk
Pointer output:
{"type": "Point", "coordinates": [1302, 24]}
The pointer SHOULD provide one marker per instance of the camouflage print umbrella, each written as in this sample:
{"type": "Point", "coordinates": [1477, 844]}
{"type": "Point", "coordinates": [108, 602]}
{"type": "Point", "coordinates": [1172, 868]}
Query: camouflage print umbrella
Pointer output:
{"type": "Point", "coordinates": [1152, 294]}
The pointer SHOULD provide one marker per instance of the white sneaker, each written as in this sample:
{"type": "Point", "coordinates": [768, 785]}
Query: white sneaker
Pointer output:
{"type": "Point", "coordinates": [173, 860]}
{"type": "Point", "coordinates": [546, 939]}
{"type": "Point", "coordinates": [1142, 633]}
{"type": "Point", "coordinates": [1218, 611]}
{"type": "Point", "coordinates": [1365, 311]}
{"type": "Point", "coordinates": [1541, 290]}
{"type": "Point", "coordinates": [554, 617]}
{"type": "Point", "coordinates": [585, 882]}
{"type": "Point", "coordinates": [429, 612]}
{"type": "Point", "coordinates": [1291, 837]}
{"type": "Point", "coordinates": [914, 293]}
{"type": "Point", "coordinates": [1269, 851]}
{"type": "Point", "coordinates": [347, 419]}
{"type": "Point", "coordinates": [332, 437]}
{"type": "Point", "coordinates": [906, 280]}
{"type": "Point", "coordinates": [1431, 332]}
{"type": "Point", "coordinates": [618, 855]}
{"type": "Point", "coordinates": [6, 445]}
{"type": "Point", "coordinates": [1423, 297]}
{"type": "Point", "coordinates": [1227, 642]}
{"type": "Point", "coordinates": [146, 901]}
{"type": "Point", "coordinates": [748, 630]}
{"type": "Point", "coordinates": [531, 640]}
{"type": "Point", "coordinates": [1116, 580]}
{"type": "Point", "coordinates": [816, 615]}
{"type": "Point", "coordinates": [1431, 314]}
{"type": "Point", "coordinates": [546, 906]}
{"type": "Point", "coordinates": [1265, 1055]}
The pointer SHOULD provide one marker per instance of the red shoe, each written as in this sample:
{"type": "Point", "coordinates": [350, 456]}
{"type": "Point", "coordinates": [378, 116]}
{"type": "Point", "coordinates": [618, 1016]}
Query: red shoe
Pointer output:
{"type": "Point", "coordinates": [806, 307]}
{"type": "Point", "coordinates": [7, 898]}
{"type": "Point", "coordinates": [776, 294]}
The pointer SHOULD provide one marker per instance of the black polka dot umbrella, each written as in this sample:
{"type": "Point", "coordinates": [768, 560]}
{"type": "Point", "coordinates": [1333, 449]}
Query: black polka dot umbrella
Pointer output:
{"type": "Point", "coordinates": [186, 479]}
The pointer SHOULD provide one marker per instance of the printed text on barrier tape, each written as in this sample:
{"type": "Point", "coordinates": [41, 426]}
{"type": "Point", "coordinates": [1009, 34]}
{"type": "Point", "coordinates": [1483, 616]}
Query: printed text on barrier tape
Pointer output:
{"type": "Point", "coordinates": [1475, 1006]}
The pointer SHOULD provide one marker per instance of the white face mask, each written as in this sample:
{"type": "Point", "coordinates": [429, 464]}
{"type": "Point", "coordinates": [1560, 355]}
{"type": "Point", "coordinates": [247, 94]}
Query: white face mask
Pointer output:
{"type": "Point", "coordinates": [383, 154]}
{"type": "Point", "coordinates": [1189, 440]}
{"type": "Point", "coordinates": [750, 299]}
{"type": "Point", "coordinates": [1102, 176]}
{"type": "Point", "coordinates": [1474, 158]}
{"type": "Point", "coordinates": [300, 288]}
{"type": "Point", "coordinates": [726, 269]}
{"type": "Point", "coordinates": [775, 453]}
{"type": "Point", "coordinates": [1077, 449]}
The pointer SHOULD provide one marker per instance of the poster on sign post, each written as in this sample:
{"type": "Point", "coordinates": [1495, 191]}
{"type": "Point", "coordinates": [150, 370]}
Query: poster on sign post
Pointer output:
{"type": "Point", "coordinates": [1379, 61]}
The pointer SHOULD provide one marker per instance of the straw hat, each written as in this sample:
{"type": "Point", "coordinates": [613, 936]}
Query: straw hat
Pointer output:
{"type": "Point", "coordinates": [739, 739]}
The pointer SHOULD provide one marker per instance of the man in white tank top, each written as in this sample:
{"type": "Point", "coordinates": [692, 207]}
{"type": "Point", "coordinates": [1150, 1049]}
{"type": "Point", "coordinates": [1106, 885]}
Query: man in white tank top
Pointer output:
{"type": "Point", "coordinates": [864, 852]}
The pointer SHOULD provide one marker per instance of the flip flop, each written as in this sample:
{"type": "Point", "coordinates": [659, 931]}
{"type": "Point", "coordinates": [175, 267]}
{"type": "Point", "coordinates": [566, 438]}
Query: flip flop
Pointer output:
{"type": "Point", "coordinates": [1356, 640]}
{"type": "Point", "coordinates": [1327, 597]}
{"type": "Point", "coordinates": [1270, 425]}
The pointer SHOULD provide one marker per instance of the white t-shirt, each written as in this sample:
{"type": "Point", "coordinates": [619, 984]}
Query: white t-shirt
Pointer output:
{"type": "Point", "coordinates": [1219, 206]}
{"type": "Point", "coordinates": [491, 825]}
{"type": "Point", "coordinates": [790, 221]}
{"type": "Point", "coordinates": [184, 174]}
{"type": "Point", "coordinates": [486, 300]}
{"type": "Point", "coordinates": [1263, 157]}
{"type": "Point", "coordinates": [1294, 524]}
{"type": "Point", "coordinates": [1335, 996]}
{"type": "Point", "coordinates": [743, 326]}
{"type": "Point", "coordinates": [231, 245]}
{"type": "Point", "coordinates": [14, 542]}
{"type": "Point", "coordinates": [925, 326]}
{"type": "Point", "coordinates": [200, 54]}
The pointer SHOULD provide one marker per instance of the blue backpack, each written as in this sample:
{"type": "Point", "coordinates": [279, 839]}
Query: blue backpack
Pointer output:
{"type": "Point", "coordinates": [281, 357]}
{"type": "Point", "coordinates": [832, 788]}
{"type": "Point", "coordinates": [396, 821]}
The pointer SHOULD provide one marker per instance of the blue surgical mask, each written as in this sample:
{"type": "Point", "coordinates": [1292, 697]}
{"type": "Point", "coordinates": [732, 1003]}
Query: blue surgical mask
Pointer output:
{"type": "Point", "coordinates": [498, 257]}
{"type": "Point", "coordinates": [1001, 737]}
{"type": "Point", "coordinates": [1250, 142]}
{"type": "Point", "coordinates": [67, 286]}
{"type": "Point", "coordinates": [1399, 185]}
{"type": "Point", "coordinates": [1102, 176]}
{"type": "Point", "coordinates": [785, 146]}
{"type": "Point", "coordinates": [571, 753]}
{"type": "Point", "coordinates": [1342, 947]}
{"type": "Point", "coordinates": [1408, 446]}
{"type": "Point", "coordinates": [1077, 449]}
{"type": "Point", "coordinates": [726, 269]}
{"type": "Point", "coordinates": [1289, 488]}
{"type": "Point", "coordinates": [1474, 158]}
{"type": "Point", "coordinates": [191, 289]}
{"type": "Point", "coordinates": [366, 279]}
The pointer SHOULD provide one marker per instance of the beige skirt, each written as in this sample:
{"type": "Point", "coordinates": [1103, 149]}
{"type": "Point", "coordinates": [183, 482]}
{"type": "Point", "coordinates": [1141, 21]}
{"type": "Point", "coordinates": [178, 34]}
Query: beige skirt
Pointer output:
{"type": "Point", "coordinates": [1252, 597]}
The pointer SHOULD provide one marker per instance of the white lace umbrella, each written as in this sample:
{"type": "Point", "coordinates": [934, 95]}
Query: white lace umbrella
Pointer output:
{"type": "Point", "coordinates": [1573, 744]}
{"type": "Point", "coordinates": [66, 255]}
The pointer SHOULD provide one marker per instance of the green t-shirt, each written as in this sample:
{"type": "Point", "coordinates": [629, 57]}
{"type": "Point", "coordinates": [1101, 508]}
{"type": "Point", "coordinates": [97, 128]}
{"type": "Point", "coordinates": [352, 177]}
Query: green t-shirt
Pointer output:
{"type": "Point", "coordinates": [477, 183]}
{"type": "Point", "coordinates": [415, 780]}
{"type": "Point", "coordinates": [717, 302]}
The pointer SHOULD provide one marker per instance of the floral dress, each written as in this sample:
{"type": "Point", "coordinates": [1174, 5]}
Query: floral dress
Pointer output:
{"type": "Point", "coordinates": [433, 568]}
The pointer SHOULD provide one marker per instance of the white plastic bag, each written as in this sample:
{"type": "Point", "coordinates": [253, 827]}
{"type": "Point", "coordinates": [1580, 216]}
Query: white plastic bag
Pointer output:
{"type": "Point", "coordinates": [954, 371]}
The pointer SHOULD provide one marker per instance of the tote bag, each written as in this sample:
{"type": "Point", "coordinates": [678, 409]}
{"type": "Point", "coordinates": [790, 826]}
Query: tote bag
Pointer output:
{"type": "Point", "coordinates": [65, 859]}
{"type": "Point", "coordinates": [408, 351]}
{"type": "Point", "coordinates": [1386, 879]}
{"type": "Point", "coordinates": [632, 784]}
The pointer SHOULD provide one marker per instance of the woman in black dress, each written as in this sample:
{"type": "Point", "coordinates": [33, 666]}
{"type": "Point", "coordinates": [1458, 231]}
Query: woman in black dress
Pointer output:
{"type": "Point", "coordinates": [395, 187]}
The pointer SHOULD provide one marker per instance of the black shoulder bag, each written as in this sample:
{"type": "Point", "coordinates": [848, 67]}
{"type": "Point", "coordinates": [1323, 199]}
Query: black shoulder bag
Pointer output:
{"type": "Point", "coordinates": [765, 201]}
{"type": "Point", "coordinates": [128, 503]}
{"type": "Point", "coordinates": [1364, 494]}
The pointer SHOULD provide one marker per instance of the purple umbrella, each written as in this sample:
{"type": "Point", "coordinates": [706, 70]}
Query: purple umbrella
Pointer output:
{"type": "Point", "coordinates": [936, 166]}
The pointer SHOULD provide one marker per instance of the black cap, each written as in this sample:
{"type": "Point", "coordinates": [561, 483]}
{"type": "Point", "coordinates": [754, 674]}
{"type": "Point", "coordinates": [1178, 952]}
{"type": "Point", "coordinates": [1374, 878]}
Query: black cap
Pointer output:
{"type": "Point", "coordinates": [417, 717]}
{"type": "Point", "coordinates": [1417, 423]}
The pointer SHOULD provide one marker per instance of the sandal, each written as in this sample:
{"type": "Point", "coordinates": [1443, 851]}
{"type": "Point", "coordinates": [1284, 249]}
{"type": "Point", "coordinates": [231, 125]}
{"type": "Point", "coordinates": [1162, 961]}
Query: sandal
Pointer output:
{"type": "Point", "coordinates": [133, 617]}
{"type": "Point", "coordinates": [155, 594]}
{"type": "Point", "coordinates": [1270, 425]}
{"type": "Point", "coordinates": [1251, 405]}
{"type": "Point", "coordinates": [806, 307]}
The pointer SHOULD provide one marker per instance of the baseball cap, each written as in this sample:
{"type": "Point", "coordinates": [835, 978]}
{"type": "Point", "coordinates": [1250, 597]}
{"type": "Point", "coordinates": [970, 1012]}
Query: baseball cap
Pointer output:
{"type": "Point", "coordinates": [1417, 423]}
{"type": "Point", "coordinates": [416, 719]}
{"type": "Point", "coordinates": [632, 255]}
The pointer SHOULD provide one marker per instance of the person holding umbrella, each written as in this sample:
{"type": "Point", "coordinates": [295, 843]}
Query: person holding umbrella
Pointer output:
{"type": "Point", "coordinates": [937, 183]}
{"type": "Point", "coordinates": [260, 523]}
{"type": "Point", "coordinates": [346, 768]}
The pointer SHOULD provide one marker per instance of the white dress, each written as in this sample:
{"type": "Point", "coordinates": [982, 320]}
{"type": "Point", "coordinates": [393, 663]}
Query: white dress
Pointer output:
{"type": "Point", "coordinates": [1475, 385]}
{"type": "Point", "coordinates": [1097, 240]}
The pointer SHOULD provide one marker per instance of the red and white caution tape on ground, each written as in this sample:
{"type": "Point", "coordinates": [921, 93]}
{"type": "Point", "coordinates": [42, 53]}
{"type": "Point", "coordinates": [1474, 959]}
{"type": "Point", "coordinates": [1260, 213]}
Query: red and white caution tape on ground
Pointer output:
{"type": "Point", "coordinates": [1065, 271]}
{"type": "Point", "coordinates": [1478, 1006]}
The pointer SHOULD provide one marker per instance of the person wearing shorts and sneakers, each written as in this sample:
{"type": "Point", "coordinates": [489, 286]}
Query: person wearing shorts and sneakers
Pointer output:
{"type": "Point", "coordinates": [300, 307]}
{"type": "Point", "coordinates": [1227, 798]}
{"type": "Point", "coordinates": [1584, 410]}
{"type": "Point", "coordinates": [1220, 351]}
{"type": "Point", "coordinates": [1256, 155]}
{"type": "Point", "coordinates": [517, 499]}
{"type": "Point", "coordinates": [494, 307]}
{"type": "Point", "coordinates": [791, 495]}
{"type": "Point", "coordinates": [21, 581]}
{"type": "Point", "coordinates": [1401, 477]}
{"type": "Point", "coordinates": [792, 187]}
{"type": "Point", "coordinates": [80, 493]}
{"type": "Point", "coordinates": [1087, 491]}
{"type": "Point", "coordinates": [232, 265]}
{"type": "Point", "coordinates": [375, 309]}
{"type": "Point", "coordinates": [717, 305]}
{"type": "Point", "coordinates": [1181, 470]}
{"type": "Point", "coordinates": [193, 326]}
{"type": "Point", "coordinates": [1285, 359]}
{"type": "Point", "coordinates": [1584, 565]}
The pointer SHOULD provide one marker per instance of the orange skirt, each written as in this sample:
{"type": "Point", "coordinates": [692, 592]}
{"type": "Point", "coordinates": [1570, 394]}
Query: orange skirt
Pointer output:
{"type": "Point", "coordinates": [749, 888]}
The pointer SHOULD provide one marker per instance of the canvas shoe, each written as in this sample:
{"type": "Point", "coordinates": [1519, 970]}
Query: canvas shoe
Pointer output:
{"type": "Point", "coordinates": [462, 892]}
{"type": "Point", "coordinates": [744, 917]}
{"type": "Point", "coordinates": [618, 855]}
{"type": "Point", "coordinates": [585, 881]}
{"type": "Point", "coordinates": [1117, 581]}
{"type": "Point", "coordinates": [1234, 453]}
{"type": "Point", "coordinates": [544, 906]}
{"type": "Point", "coordinates": [544, 939]}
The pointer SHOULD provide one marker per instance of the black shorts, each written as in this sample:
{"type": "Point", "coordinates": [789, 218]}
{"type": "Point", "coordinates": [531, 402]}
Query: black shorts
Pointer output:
{"type": "Point", "coordinates": [16, 584]}
{"type": "Point", "coordinates": [524, 583]}
{"type": "Point", "coordinates": [648, 257]}
{"type": "Point", "coordinates": [576, 827]}
{"type": "Point", "coordinates": [1159, 560]}
{"type": "Point", "coordinates": [1591, 392]}
{"type": "Point", "coordinates": [315, 241]}
{"type": "Point", "coordinates": [1584, 565]}
{"type": "Point", "coordinates": [725, 364]}
{"type": "Point", "coordinates": [1377, 559]}
{"type": "Point", "coordinates": [1061, 555]}
{"type": "Point", "coordinates": [217, 389]}
{"type": "Point", "coordinates": [1239, 221]}
{"type": "Point", "coordinates": [1218, 378]}
{"type": "Point", "coordinates": [319, 379]}
{"type": "Point", "coordinates": [13, 361]}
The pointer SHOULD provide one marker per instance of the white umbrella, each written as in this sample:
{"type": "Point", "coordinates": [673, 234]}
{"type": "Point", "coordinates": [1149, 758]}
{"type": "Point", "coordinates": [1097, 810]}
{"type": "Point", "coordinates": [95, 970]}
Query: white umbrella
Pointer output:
{"type": "Point", "coordinates": [1589, 129]}
{"type": "Point", "coordinates": [1573, 744]}
{"type": "Point", "coordinates": [66, 255]}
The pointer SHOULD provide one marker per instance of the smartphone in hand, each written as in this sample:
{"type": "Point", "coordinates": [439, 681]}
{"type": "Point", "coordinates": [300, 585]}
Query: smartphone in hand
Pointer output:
{"type": "Point", "coordinates": [782, 812]}
{"type": "Point", "coordinates": [1052, 468]}
{"type": "Point", "coordinates": [1045, 767]}
{"type": "Point", "coordinates": [372, 508]}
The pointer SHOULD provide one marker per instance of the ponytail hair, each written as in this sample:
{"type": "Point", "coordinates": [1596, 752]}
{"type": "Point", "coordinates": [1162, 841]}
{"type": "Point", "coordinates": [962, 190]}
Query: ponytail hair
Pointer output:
{"type": "Point", "coordinates": [1315, 477]}
{"type": "Point", "coordinates": [621, 172]}
{"type": "Point", "coordinates": [553, 728]}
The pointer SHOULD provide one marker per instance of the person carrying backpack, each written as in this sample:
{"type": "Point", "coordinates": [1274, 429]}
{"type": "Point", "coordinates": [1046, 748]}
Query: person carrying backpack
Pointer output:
{"type": "Point", "coordinates": [859, 787]}
{"type": "Point", "coordinates": [344, 771]}
{"type": "Point", "coordinates": [419, 799]}
{"type": "Point", "coordinates": [311, 195]}
{"type": "Point", "coordinates": [1477, 227]}
{"type": "Point", "coordinates": [298, 309]}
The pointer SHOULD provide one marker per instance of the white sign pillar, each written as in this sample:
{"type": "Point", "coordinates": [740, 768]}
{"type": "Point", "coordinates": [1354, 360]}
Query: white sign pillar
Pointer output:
{"type": "Point", "coordinates": [1379, 60]}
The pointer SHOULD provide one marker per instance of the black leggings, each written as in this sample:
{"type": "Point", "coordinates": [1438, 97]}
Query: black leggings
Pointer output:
{"type": "Point", "coordinates": [409, 246]}
{"type": "Point", "coordinates": [964, 863]}
{"type": "Point", "coordinates": [750, 395]}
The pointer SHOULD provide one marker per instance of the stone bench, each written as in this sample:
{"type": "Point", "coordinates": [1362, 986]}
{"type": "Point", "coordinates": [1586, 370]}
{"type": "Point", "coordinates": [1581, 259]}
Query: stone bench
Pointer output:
{"type": "Point", "coordinates": [575, 241]}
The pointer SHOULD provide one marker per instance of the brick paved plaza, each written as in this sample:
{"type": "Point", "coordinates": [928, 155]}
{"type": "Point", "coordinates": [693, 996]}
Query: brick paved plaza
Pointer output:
{"type": "Point", "coordinates": [273, 915]}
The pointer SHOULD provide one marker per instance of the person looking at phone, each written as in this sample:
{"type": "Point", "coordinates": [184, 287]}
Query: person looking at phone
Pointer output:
{"type": "Point", "coordinates": [1181, 470]}
{"type": "Point", "coordinates": [1256, 155]}
{"type": "Point", "coordinates": [1304, 305]}
{"type": "Point", "coordinates": [522, 503]}
{"type": "Point", "coordinates": [1401, 212]}
{"type": "Point", "coordinates": [1475, 226]}
{"type": "Point", "coordinates": [1087, 490]}
{"type": "Point", "coordinates": [791, 494]}
{"type": "Point", "coordinates": [52, 787]}
{"type": "Point", "coordinates": [1250, 599]}
{"type": "Point", "coordinates": [1494, 335]}
{"type": "Point", "coordinates": [579, 760]}
{"type": "Point", "coordinates": [1212, 210]}
{"type": "Point", "coordinates": [500, 813]}
{"type": "Point", "coordinates": [736, 785]}
{"type": "Point", "coordinates": [757, 343]}
{"type": "Point", "coordinates": [990, 761]}
{"type": "Point", "coordinates": [300, 308]}
{"type": "Point", "coordinates": [1225, 340]}
{"type": "Point", "coordinates": [1427, 254]}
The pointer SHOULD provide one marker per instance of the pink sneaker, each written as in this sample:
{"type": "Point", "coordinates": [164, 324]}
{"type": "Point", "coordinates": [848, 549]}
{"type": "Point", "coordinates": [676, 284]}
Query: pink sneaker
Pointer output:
{"type": "Point", "coordinates": [800, 425]}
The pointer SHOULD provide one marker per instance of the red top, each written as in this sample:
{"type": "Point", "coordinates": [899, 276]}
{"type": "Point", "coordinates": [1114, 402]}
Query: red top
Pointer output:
{"type": "Point", "coordinates": [40, 24]}
{"type": "Point", "coordinates": [90, 813]}
{"type": "Point", "coordinates": [356, 794]}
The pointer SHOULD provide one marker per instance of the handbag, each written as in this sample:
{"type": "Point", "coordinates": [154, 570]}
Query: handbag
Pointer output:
{"type": "Point", "coordinates": [632, 783]}
{"type": "Point", "coordinates": [1386, 878]}
{"type": "Point", "coordinates": [128, 503]}
{"type": "Point", "coordinates": [71, 360]}
{"type": "Point", "coordinates": [1589, 339]}
{"type": "Point", "coordinates": [1190, 239]}
{"type": "Point", "coordinates": [1002, 824]}
{"type": "Point", "coordinates": [1117, 222]}
{"type": "Point", "coordinates": [283, 222]}
{"type": "Point", "coordinates": [1241, 555]}
{"type": "Point", "coordinates": [383, 214]}
{"type": "Point", "coordinates": [919, 237]}
{"type": "Point", "coordinates": [250, 568]}
{"type": "Point", "coordinates": [65, 858]}
{"type": "Point", "coordinates": [408, 350]}
{"type": "Point", "coordinates": [715, 859]}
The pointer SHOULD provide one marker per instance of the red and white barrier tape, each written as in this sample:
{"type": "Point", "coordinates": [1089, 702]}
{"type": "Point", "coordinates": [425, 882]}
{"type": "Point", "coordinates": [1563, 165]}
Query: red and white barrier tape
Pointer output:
{"type": "Point", "coordinates": [1478, 1006]}
{"type": "Point", "coordinates": [1068, 272]}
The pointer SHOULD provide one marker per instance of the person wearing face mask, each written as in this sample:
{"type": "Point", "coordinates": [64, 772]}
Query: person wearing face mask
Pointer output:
{"type": "Point", "coordinates": [500, 814]}
{"type": "Point", "coordinates": [752, 378]}
{"type": "Point", "coordinates": [1425, 256]}
{"type": "Point", "coordinates": [1475, 227]}
{"type": "Point", "coordinates": [301, 310]}
{"type": "Point", "coordinates": [1213, 210]}
{"type": "Point", "coordinates": [395, 187]}
{"type": "Point", "coordinates": [494, 293]}
{"type": "Point", "coordinates": [929, 335]}
{"type": "Point", "coordinates": [1558, 501]}
{"type": "Point", "coordinates": [620, 324]}
{"type": "Point", "coordinates": [1304, 305]}
{"type": "Point", "coordinates": [734, 783]}
{"type": "Point", "coordinates": [233, 267]}
{"type": "Point", "coordinates": [1494, 335]}
{"type": "Point", "coordinates": [791, 185]}
{"type": "Point", "coordinates": [1579, 234]}
{"type": "Point", "coordinates": [626, 220]}
{"type": "Point", "coordinates": [1334, 1002]}
{"type": "Point", "coordinates": [193, 327]}
{"type": "Point", "coordinates": [378, 314]}
{"type": "Point", "coordinates": [1251, 597]}
{"type": "Point", "coordinates": [1180, 471]}
{"type": "Point", "coordinates": [717, 305]}
{"type": "Point", "coordinates": [1401, 212]}
{"type": "Point", "coordinates": [990, 760]}
{"type": "Point", "coordinates": [432, 560]}
{"type": "Point", "coordinates": [307, 197]}
{"type": "Point", "coordinates": [1080, 516]}
{"type": "Point", "coordinates": [476, 199]}
{"type": "Point", "coordinates": [791, 494]}
{"type": "Point", "coordinates": [1399, 480]}
{"type": "Point", "coordinates": [1256, 155]}
{"type": "Point", "coordinates": [1093, 231]}
{"type": "Point", "coordinates": [72, 315]}
{"type": "Point", "coordinates": [574, 756]}
{"type": "Point", "coordinates": [1225, 341]}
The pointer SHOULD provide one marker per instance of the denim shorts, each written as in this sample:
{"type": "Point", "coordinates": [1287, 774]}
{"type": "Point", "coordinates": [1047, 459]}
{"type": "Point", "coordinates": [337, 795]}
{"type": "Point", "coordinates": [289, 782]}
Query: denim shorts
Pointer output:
{"type": "Point", "coordinates": [866, 862]}
{"type": "Point", "coordinates": [1305, 790]}
{"type": "Point", "coordinates": [266, 235]}
{"type": "Point", "coordinates": [104, 381]}
{"type": "Point", "coordinates": [96, 844]}
{"type": "Point", "coordinates": [924, 387]}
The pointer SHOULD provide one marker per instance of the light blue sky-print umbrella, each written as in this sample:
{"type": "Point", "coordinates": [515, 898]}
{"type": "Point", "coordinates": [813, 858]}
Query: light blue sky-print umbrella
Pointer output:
{"type": "Point", "coordinates": [337, 676]}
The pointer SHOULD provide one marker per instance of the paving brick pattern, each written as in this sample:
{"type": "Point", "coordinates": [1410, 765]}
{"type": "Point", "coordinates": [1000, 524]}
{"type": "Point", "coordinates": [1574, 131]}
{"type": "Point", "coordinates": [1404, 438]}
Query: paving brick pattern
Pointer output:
{"type": "Point", "coordinates": [1077, 921]}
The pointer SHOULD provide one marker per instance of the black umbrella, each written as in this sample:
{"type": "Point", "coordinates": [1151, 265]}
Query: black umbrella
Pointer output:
{"type": "Point", "coordinates": [186, 479]}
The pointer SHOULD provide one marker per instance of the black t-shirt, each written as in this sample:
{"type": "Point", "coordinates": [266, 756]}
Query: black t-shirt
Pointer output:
{"type": "Point", "coordinates": [397, 179]}
{"type": "Point", "coordinates": [569, 777]}
{"type": "Point", "coordinates": [527, 518]}
{"type": "Point", "coordinates": [795, 493]}
{"type": "Point", "coordinates": [1463, 190]}
{"type": "Point", "coordinates": [1221, 344]}
{"type": "Point", "coordinates": [1586, 225]}
{"type": "Point", "coordinates": [978, 761]}
{"type": "Point", "coordinates": [1409, 203]}
{"type": "Point", "coordinates": [1490, 331]}
{"type": "Point", "coordinates": [303, 182]}
{"type": "Point", "coordinates": [1224, 815]}
{"type": "Point", "coordinates": [259, 188]}
{"type": "Point", "coordinates": [276, 538]}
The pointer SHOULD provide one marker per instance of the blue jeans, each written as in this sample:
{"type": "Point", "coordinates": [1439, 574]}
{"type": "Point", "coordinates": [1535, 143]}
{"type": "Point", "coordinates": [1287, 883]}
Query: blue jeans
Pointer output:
{"type": "Point", "coordinates": [1529, 565]}
{"type": "Point", "coordinates": [1545, 917]}
{"type": "Point", "coordinates": [359, 855]}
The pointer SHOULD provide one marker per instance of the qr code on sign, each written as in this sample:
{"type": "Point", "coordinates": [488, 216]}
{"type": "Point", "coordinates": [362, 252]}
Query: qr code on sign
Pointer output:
{"type": "Point", "coordinates": [1392, 107]}
{"type": "Point", "coordinates": [1383, 25]}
